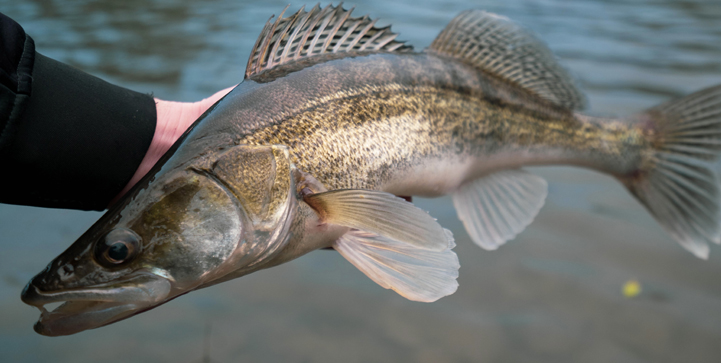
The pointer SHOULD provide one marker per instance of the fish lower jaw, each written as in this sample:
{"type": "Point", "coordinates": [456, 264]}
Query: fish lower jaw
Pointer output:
{"type": "Point", "coordinates": [72, 311]}
{"type": "Point", "coordinates": [71, 317]}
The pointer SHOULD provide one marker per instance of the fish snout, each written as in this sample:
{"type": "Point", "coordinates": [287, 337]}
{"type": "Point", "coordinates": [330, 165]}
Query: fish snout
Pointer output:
{"type": "Point", "coordinates": [54, 275]}
{"type": "Point", "coordinates": [31, 296]}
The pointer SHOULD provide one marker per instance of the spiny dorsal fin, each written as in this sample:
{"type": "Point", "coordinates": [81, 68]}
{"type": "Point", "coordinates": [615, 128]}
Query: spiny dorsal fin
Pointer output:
{"type": "Point", "coordinates": [496, 45]}
{"type": "Point", "coordinates": [305, 34]}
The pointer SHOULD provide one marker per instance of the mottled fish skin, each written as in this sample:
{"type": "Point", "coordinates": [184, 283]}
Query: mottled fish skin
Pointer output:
{"type": "Point", "coordinates": [377, 122]}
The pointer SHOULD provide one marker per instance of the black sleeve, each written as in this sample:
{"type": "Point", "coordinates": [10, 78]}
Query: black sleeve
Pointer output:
{"type": "Point", "coordinates": [67, 139]}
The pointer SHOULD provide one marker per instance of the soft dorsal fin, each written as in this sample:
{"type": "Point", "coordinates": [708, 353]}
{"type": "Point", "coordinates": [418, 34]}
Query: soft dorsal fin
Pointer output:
{"type": "Point", "coordinates": [499, 47]}
{"type": "Point", "coordinates": [309, 33]}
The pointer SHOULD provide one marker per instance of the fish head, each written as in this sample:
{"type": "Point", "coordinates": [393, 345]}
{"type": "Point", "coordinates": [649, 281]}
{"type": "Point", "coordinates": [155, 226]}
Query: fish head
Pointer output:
{"type": "Point", "coordinates": [228, 212]}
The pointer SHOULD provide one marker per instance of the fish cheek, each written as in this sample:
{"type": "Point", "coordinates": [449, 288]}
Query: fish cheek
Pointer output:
{"type": "Point", "coordinates": [190, 232]}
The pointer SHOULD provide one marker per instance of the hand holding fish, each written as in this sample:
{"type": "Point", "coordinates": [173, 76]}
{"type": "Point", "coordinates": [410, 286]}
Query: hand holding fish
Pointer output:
{"type": "Point", "coordinates": [173, 118]}
{"type": "Point", "coordinates": [334, 118]}
{"type": "Point", "coordinates": [84, 134]}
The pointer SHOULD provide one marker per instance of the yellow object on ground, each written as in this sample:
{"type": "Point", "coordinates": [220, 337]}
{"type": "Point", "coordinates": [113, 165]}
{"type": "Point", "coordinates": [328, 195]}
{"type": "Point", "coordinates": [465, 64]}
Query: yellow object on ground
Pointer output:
{"type": "Point", "coordinates": [631, 288]}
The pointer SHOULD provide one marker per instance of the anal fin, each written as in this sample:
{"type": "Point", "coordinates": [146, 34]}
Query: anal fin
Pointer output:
{"type": "Point", "coordinates": [497, 207]}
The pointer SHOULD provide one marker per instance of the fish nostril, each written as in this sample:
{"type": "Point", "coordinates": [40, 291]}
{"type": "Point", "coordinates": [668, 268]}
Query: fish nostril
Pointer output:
{"type": "Point", "coordinates": [65, 272]}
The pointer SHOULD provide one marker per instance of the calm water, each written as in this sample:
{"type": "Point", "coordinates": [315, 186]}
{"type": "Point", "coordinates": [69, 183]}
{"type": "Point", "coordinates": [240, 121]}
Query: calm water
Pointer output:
{"type": "Point", "coordinates": [553, 294]}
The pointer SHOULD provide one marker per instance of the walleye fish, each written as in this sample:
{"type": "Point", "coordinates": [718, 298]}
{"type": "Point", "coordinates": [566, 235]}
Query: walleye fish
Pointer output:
{"type": "Point", "coordinates": [334, 118]}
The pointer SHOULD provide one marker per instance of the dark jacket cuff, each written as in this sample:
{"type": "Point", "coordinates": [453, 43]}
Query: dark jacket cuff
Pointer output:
{"type": "Point", "coordinates": [70, 140]}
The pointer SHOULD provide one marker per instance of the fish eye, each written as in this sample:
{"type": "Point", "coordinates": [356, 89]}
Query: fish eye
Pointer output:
{"type": "Point", "coordinates": [116, 247]}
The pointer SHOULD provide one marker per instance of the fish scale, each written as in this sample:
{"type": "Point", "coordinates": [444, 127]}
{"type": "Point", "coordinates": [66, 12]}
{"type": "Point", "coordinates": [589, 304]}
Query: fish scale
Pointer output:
{"type": "Point", "coordinates": [406, 124]}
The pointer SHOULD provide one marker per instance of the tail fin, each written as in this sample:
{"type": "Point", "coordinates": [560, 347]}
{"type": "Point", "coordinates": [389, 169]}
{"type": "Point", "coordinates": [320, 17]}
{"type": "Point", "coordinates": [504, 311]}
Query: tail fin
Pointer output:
{"type": "Point", "coordinates": [676, 182]}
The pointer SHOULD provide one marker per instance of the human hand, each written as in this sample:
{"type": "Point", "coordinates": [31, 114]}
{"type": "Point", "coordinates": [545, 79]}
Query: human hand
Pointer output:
{"type": "Point", "coordinates": [173, 118]}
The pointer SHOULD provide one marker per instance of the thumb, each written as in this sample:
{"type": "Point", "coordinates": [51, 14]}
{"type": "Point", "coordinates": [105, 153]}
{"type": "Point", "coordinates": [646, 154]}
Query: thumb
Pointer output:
{"type": "Point", "coordinates": [173, 118]}
{"type": "Point", "coordinates": [207, 102]}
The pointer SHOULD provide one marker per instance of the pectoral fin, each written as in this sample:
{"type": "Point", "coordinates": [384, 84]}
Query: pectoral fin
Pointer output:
{"type": "Point", "coordinates": [396, 244]}
{"type": "Point", "coordinates": [415, 273]}
{"type": "Point", "coordinates": [380, 213]}
{"type": "Point", "coordinates": [497, 207]}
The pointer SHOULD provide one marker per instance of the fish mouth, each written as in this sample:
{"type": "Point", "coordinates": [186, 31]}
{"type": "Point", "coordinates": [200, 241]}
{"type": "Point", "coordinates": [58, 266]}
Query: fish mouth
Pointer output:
{"type": "Point", "coordinates": [93, 307]}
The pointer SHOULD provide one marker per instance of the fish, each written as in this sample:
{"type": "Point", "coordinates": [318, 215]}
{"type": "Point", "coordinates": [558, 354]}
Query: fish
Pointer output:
{"type": "Point", "coordinates": [335, 121]}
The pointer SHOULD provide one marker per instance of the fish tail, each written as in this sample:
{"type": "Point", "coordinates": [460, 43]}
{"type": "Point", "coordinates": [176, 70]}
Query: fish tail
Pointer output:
{"type": "Point", "coordinates": [675, 180]}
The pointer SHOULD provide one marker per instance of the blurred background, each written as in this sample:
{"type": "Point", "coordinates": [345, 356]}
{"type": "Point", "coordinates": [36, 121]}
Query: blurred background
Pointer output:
{"type": "Point", "coordinates": [593, 279]}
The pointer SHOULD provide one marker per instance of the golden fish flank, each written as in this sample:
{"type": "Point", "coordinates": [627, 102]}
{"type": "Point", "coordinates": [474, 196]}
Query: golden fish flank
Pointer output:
{"type": "Point", "coordinates": [376, 133]}
{"type": "Point", "coordinates": [333, 118]}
